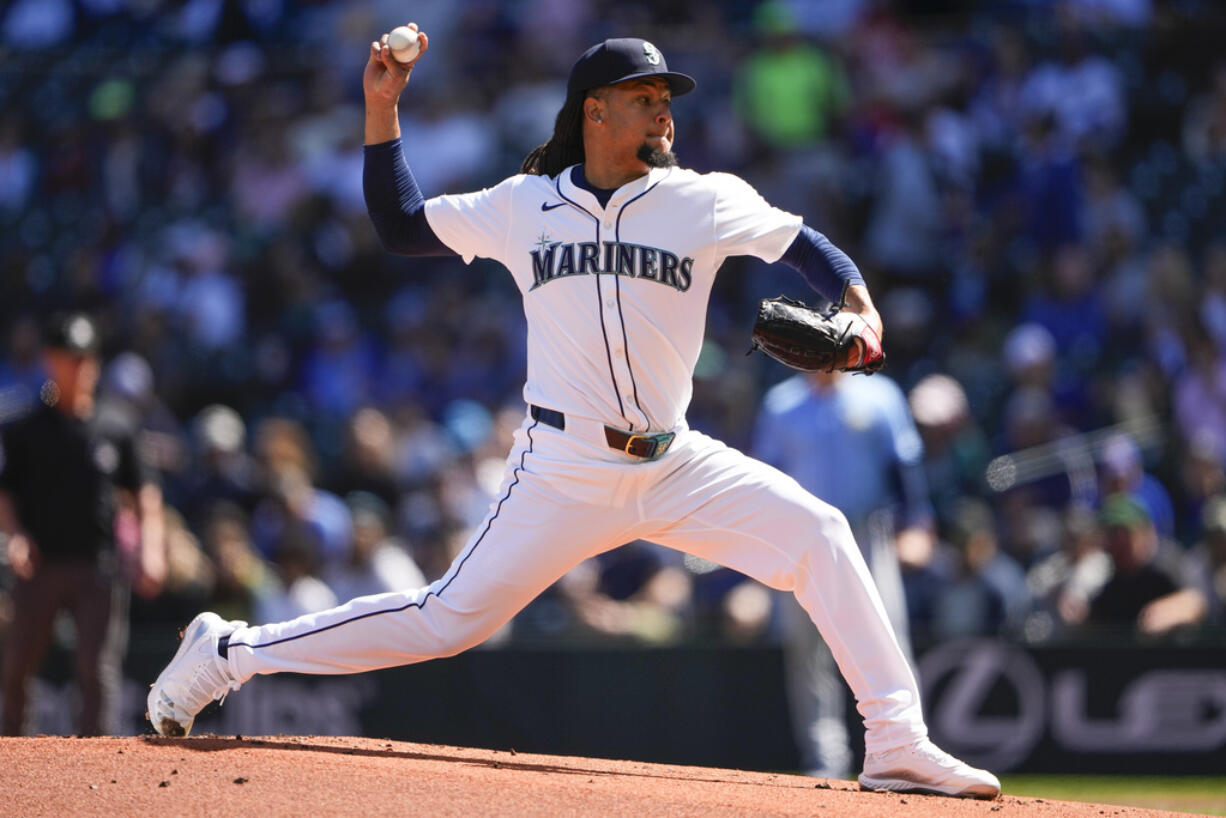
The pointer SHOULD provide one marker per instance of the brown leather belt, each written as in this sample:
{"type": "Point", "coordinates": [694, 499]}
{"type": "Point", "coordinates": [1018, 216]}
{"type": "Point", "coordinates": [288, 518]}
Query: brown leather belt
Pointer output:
{"type": "Point", "coordinates": [648, 447]}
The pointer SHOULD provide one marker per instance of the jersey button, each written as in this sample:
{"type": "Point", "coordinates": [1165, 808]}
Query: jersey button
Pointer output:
{"type": "Point", "coordinates": [621, 353]}
{"type": "Point", "coordinates": [610, 303]}
{"type": "Point", "coordinates": [608, 223]}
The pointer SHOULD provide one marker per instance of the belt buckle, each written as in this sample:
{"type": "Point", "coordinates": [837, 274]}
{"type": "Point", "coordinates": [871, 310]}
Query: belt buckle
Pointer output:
{"type": "Point", "coordinates": [658, 445]}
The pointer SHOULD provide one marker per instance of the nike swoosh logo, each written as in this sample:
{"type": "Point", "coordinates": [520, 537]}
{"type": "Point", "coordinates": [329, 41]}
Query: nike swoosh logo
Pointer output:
{"type": "Point", "coordinates": [546, 207]}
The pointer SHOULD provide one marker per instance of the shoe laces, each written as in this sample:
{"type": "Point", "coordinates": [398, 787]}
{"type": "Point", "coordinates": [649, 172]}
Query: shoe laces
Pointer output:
{"type": "Point", "coordinates": [929, 751]}
{"type": "Point", "coordinates": [923, 749]}
{"type": "Point", "coordinates": [209, 681]}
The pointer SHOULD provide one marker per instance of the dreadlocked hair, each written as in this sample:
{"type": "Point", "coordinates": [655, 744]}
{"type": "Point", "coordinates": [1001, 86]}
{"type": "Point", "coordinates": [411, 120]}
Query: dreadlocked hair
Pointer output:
{"type": "Point", "coordinates": [565, 147]}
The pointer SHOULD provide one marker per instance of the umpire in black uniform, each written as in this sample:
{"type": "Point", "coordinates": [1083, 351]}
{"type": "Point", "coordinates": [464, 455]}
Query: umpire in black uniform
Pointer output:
{"type": "Point", "coordinates": [80, 518]}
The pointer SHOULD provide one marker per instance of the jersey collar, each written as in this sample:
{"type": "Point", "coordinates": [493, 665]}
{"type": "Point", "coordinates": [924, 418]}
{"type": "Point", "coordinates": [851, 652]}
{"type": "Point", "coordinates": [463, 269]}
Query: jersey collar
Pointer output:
{"type": "Point", "coordinates": [625, 193]}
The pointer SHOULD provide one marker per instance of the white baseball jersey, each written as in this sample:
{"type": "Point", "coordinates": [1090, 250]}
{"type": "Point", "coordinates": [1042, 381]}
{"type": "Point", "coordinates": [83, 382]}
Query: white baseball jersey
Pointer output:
{"type": "Point", "coordinates": [616, 300]}
{"type": "Point", "coordinates": [615, 297]}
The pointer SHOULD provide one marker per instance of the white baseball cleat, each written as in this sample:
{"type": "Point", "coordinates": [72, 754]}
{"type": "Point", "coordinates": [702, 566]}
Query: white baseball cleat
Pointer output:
{"type": "Point", "coordinates": [923, 767]}
{"type": "Point", "coordinates": [195, 676]}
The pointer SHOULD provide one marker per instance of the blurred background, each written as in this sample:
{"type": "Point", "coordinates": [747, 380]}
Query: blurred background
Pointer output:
{"type": "Point", "coordinates": [1034, 190]}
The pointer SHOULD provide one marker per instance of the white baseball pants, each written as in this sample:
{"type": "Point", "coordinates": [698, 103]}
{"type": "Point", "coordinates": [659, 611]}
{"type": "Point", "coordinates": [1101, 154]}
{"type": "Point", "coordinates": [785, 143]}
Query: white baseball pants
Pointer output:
{"type": "Point", "coordinates": [567, 496]}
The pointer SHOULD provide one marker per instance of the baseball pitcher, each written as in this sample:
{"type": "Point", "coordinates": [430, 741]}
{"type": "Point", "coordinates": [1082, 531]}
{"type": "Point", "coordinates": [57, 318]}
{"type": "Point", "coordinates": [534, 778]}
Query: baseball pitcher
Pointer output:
{"type": "Point", "coordinates": [614, 249]}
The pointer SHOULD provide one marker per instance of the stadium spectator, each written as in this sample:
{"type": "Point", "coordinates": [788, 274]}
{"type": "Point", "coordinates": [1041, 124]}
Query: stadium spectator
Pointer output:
{"type": "Point", "coordinates": [1064, 583]}
{"type": "Point", "coordinates": [971, 588]}
{"type": "Point", "coordinates": [1029, 421]}
{"type": "Point", "coordinates": [366, 461]}
{"type": "Point", "coordinates": [1082, 91]}
{"type": "Point", "coordinates": [1213, 302]}
{"type": "Point", "coordinates": [301, 590]}
{"type": "Point", "coordinates": [291, 499]}
{"type": "Point", "coordinates": [1205, 567]}
{"type": "Point", "coordinates": [1204, 122]}
{"type": "Point", "coordinates": [789, 91]}
{"type": "Point", "coordinates": [955, 447]}
{"type": "Point", "coordinates": [1049, 185]}
{"type": "Point", "coordinates": [1198, 392]}
{"type": "Point", "coordinates": [1171, 307]}
{"type": "Point", "coordinates": [1070, 308]}
{"type": "Point", "coordinates": [377, 562]}
{"type": "Point", "coordinates": [637, 592]}
{"type": "Point", "coordinates": [190, 577]}
{"type": "Point", "coordinates": [1202, 475]}
{"type": "Point", "coordinates": [222, 471]}
{"type": "Point", "coordinates": [127, 390]}
{"type": "Point", "coordinates": [18, 166]}
{"type": "Point", "coordinates": [338, 375]}
{"type": "Point", "coordinates": [21, 370]}
{"type": "Point", "coordinates": [1122, 471]}
{"type": "Point", "coordinates": [243, 579]}
{"type": "Point", "coordinates": [1112, 215]}
{"type": "Point", "coordinates": [903, 235]}
{"type": "Point", "coordinates": [1147, 593]}
{"type": "Point", "coordinates": [1031, 361]}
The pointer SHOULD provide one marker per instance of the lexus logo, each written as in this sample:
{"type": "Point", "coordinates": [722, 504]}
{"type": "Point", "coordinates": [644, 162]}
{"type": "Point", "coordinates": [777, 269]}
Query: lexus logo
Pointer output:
{"type": "Point", "coordinates": [985, 701]}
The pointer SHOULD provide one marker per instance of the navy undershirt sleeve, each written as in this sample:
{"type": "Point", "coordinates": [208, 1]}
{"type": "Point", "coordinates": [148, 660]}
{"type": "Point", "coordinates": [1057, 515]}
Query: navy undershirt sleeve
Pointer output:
{"type": "Point", "coordinates": [824, 266]}
{"type": "Point", "coordinates": [396, 205]}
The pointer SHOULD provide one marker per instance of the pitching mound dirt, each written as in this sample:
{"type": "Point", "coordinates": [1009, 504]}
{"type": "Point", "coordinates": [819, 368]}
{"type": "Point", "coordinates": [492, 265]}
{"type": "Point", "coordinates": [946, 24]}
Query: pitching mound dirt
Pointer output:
{"type": "Point", "coordinates": [289, 775]}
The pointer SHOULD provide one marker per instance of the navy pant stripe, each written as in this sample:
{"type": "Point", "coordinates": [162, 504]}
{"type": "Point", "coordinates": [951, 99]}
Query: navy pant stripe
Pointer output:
{"type": "Point", "coordinates": [422, 603]}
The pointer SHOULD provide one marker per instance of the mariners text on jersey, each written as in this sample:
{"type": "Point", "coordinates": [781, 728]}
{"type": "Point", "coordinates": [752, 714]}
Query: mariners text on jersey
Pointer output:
{"type": "Point", "coordinates": [554, 259]}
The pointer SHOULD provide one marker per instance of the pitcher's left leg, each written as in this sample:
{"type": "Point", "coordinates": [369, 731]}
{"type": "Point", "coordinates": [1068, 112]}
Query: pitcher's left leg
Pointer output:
{"type": "Point", "coordinates": [752, 518]}
{"type": "Point", "coordinates": [717, 503]}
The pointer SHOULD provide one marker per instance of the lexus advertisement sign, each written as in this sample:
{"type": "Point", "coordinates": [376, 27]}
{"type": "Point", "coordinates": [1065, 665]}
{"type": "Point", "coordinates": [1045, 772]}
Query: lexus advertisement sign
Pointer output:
{"type": "Point", "coordinates": [1078, 709]}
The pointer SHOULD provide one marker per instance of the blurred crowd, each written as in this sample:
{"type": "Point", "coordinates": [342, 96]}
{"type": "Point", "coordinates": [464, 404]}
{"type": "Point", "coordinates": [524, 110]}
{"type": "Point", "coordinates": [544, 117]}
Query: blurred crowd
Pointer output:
{"type": "Point", "coordinates": [1033, 189]}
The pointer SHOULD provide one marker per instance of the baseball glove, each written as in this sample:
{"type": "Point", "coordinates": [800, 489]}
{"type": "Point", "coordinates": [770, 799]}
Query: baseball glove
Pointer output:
{"type": "Point", "coordinates": [810, 340]}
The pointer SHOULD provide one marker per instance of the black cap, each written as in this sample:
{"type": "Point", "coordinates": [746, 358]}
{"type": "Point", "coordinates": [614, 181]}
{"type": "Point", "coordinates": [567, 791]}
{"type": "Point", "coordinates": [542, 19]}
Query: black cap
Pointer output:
{"type": "Point", "coordinates": [71, 332]}
{"type": "Point", "coordinates": [624, 58]}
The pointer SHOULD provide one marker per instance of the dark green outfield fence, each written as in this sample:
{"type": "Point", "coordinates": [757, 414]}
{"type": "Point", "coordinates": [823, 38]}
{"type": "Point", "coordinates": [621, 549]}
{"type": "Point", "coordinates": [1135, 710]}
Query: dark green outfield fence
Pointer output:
{"type": "Point", "coordinates": [1089, 708]}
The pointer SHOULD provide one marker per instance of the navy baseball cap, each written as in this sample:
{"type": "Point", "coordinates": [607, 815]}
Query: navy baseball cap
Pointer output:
{"type": "Point", "coordinates": [72, 332]}
{"type": "Point", "coordinates": [621, 59]}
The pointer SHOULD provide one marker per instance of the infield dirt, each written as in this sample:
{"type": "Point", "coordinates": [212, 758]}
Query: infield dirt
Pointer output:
{"type": "Point", "coordinates": [327, 776]}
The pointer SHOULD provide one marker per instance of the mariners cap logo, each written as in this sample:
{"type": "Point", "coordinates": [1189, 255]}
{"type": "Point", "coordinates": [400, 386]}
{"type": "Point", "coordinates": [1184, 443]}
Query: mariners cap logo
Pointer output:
{"type": "Point", "coordinates": [624, 58]}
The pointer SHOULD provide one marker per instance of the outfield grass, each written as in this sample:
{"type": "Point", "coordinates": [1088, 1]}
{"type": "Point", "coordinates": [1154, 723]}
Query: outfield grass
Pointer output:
{"type": "Point", "coordinates": [1199, 795]}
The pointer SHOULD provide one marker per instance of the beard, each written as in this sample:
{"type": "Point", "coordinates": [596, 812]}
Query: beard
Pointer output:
{"type": "Point", "coordinates": [656, 159]}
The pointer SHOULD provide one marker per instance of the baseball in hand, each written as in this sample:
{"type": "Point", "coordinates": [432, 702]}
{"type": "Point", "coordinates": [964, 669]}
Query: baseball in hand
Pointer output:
{"type": "Point", "coordinates": [404, 44]}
